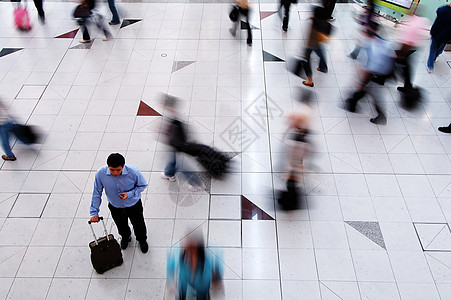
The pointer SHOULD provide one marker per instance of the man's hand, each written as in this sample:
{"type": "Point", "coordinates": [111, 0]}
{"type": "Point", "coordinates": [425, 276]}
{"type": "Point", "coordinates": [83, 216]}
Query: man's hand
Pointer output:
{"type": "Point", "coordinates": [94, 219]}
{"type": "Point", "coordinates": [123, 196]}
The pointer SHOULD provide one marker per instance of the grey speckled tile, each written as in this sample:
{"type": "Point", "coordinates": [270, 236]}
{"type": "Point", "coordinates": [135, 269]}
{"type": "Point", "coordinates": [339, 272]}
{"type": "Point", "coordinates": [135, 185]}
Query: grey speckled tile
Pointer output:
{"type": "Point", "coordinates": [369, 229]}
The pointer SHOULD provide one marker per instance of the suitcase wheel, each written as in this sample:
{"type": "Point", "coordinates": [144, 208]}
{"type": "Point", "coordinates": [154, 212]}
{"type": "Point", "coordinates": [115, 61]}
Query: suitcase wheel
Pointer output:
{"type": "Point", "coordinates": [100, 270]}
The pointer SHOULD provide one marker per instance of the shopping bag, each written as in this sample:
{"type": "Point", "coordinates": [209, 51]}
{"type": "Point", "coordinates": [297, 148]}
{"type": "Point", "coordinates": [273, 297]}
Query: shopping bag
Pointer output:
{"type": "Point", "coordinates": [22, 18]}
{"type": "Point", "coordinates": [234, 14]}
{"type": "Point", "coordinates": [82, 11]}
{"type": "Point", "coordinates": [297, 66]}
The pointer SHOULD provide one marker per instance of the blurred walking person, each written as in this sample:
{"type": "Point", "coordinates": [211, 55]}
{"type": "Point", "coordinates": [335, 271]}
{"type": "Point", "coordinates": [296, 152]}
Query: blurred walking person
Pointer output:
{"type": "Point", "coordinates": [297, 134]}
{"type": "Point", "coordinates": [115, 15]}
{"type": "Point", "coordinates": [6, 126]}
{"type": "Point", "coordinates": [410, 36]}
{"type": "Point", "coordinates": [192, 271]}
{"type": "Point", "coordinates": [379, 62]}
{"type": "Point", "coordinates": [365, 20]}
{"type": "Point", "coordinates": [319, 33]}
{"type": "Point", "coordinates": [176, 136]}
{"type": "Point", "coordinates": [285, 6]}
{"type": "Point", "coordinates": [243, 9]}
{"type": "Point", "coordinates": [40, 9]}
{"type": "Point", "coordinates": [85, 13]}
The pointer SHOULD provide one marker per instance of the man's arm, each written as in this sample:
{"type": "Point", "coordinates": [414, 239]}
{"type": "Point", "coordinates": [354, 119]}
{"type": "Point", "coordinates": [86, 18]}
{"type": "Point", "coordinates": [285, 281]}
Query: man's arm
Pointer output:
{"type": "Point", "coordinates": [96, 199]}
{"type": "Point", "coordinates": [140, 185]}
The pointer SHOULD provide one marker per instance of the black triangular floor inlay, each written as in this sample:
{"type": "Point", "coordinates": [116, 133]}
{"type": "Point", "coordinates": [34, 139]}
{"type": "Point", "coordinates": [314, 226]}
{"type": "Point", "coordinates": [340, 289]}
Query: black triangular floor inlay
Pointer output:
{"type": "Point", "coordinates": [127, 22]}
{"type": "Point", "coordinates": [369, 229]}
{"type": "Point", "coordinates": [250, 211]}
{"type": "Point", "coordinates": [245, 25]}
{"type": "Point", "coordinates": [230, 154]}
{"type": "Point", "coordinates": [6, 51]}
{"type": "Point", "coordinates": [269, 57]}
{"type": "Point", "coordinates": [83, 46]}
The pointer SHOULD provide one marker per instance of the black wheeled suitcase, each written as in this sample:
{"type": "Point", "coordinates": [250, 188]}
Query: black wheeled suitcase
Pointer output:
{"type": "Point", "coordinates": [214, 162]}
{"type": "Point", "coordinates": [105, 251]}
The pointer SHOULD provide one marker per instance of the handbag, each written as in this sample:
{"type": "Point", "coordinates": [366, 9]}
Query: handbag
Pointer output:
{"type": "Point", "coordinates": [322, 26]}
{"type": "Point", "coordinates": [22, 18]}
{"type": "Point", "coordinates": [234, 14]}
{"type": "Point", "coordinates": [26, 134]}
{"type": "Point", "coordinates": [297, 66]}
{"type": "Point", "coordinates": [81, 11]}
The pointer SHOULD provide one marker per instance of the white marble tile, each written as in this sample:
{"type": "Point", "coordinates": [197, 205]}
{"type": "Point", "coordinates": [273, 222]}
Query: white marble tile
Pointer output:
{"type": "Point", "coordinates": [224, 233]}
{"type": "Point", "coordinates": [378, 290]}
{"type": "Point", "coordinates": [11, 258]}
{"type": "Point", "coordinates": [29, 288]}
{"type": "Point", "coordinates": [335, 265]}
{"type": "Point", "coordinates": [29, 206]}
{"type": "Point", "coordinates": [410, 267]}
{"type": "Point", "coordinates": [68, 288]}
{"type": "Point", "coordinates": [261, 289]}
{"type": "Point", "coordinates": [73, 263]}
{"type": "Point", "coordinates": [298, 264]}
{"type": "Point", "coordinates": [17, 231]}
{"type": "Point", "coordinates": [372, 265]}
{"type": "Point", "coordinates": [39, 262]}
{"type": "Point", "coordinates": [260, 263]}
{"type": "Point", "coordinates": [259, 234]}
{"type": "Point", "coordinates": [51, 232]}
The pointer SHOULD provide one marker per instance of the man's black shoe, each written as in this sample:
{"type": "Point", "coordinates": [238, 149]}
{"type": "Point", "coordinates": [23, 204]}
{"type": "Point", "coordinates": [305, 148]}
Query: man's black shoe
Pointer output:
{"type": "Point", "coordinates": [144, 246]}
{"type": "Point", "coordinates": [445, 129]}
{"type": "Point", "coordinates": [350, 105]}
{"type": "Point", "coordinates": [124, 242]}
{"type": "Point", "coordinates": [379, 120]}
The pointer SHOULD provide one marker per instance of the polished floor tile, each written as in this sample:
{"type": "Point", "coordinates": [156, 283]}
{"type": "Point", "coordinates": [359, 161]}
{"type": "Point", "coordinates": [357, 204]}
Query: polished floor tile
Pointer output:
{"type": "Point", "coordinates": [373, 218]}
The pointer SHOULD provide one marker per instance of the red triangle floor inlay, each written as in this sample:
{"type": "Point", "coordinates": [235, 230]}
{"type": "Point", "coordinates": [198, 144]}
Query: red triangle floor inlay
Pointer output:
{"type": "Point", "coordinates": [265, 14]}
{"type": "Point", "coordinates": [69, 35]}
{"type": "Point", "coordinates": [250, 211]}
{"type": "Point", "coordinates": [146, 110]}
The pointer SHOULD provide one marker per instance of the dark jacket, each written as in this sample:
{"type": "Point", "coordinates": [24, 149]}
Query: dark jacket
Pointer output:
{"type": "Point", "coordinates": [441, 29]}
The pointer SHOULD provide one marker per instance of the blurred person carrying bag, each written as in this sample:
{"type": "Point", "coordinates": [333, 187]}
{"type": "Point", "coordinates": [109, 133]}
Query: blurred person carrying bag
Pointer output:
{"type": "Point", "coordinates": [82, 10]}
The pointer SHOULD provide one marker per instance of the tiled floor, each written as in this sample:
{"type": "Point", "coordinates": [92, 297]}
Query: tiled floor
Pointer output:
{"type": "Point", "coordinates": [375, 218]}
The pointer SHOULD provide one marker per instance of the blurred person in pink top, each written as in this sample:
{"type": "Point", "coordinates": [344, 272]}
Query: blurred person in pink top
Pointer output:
{"type": "Point", "coordinates": [413, 32]}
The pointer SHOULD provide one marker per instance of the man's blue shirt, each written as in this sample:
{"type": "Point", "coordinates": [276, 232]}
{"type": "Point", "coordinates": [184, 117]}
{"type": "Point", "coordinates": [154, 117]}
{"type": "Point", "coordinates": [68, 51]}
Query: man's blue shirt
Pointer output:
{"type": "Point", "coordinates": [130, 181]}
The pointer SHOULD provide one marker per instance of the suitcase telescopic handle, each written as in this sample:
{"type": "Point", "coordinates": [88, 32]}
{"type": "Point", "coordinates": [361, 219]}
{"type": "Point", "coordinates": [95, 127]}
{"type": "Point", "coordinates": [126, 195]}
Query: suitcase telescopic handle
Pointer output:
{"type": "Point", "coordinates": [104, 228]}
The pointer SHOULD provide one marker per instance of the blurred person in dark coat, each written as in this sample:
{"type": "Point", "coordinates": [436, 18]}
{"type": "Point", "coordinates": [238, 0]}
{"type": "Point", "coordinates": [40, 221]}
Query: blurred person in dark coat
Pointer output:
{"type": "Point", "coordinates": [244, 9]}
{"type": "Point", "coordinates": [440, 34]}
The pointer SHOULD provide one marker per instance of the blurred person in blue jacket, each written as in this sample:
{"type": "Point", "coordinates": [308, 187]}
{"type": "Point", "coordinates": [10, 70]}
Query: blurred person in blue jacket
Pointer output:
{"type": "Point", "coordinates": [6, 126]}
{"type": "Point", "coordinates": [192, 268]}
{"type": "Point", "coordinates": [379, 61]}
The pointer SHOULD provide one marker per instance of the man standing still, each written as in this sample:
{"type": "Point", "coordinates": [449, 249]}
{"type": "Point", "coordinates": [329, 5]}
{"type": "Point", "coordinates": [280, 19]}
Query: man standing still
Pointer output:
{"type": "Point", "coordinates": [123, 186]}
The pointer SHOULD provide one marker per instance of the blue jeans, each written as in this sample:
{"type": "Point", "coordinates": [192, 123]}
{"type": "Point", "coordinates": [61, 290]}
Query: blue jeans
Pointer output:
{"type": "Point", "coordinates": [113, 9]}
{"type": "Point", "coordinates": [322, 60]}
{"type": "Point", "coordinates": [171, 169]}
{"type": "Point", "coordinates": [435, 50]}
{"type": "Point", "coordinates": [5, 130]}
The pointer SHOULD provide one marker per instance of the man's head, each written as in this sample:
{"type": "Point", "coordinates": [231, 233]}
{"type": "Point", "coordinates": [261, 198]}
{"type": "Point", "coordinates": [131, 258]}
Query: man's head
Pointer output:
{"type": "Point", "coordinates": [115, 164]}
